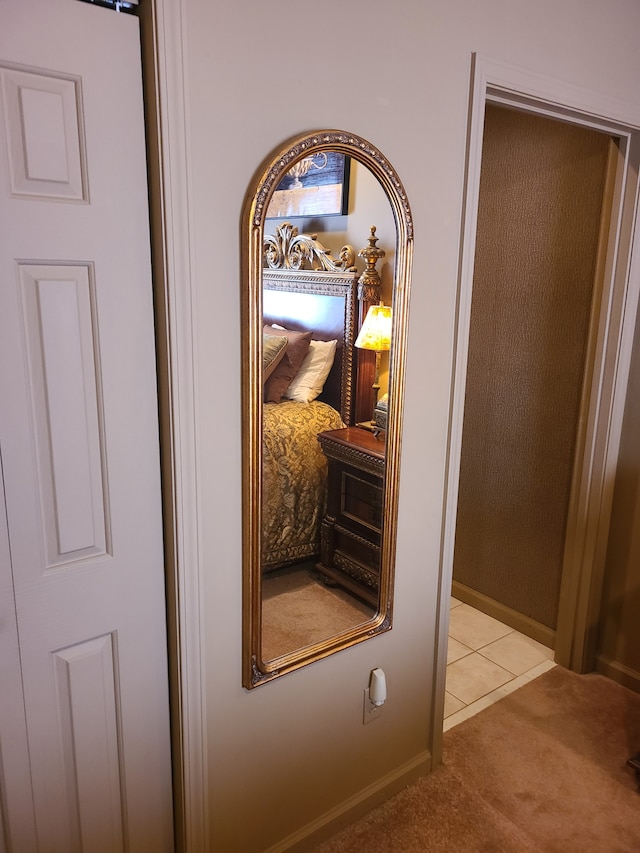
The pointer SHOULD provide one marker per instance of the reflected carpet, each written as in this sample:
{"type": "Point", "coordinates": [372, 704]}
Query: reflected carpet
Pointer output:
{"type": "Point", "coordinates": [299, 609]}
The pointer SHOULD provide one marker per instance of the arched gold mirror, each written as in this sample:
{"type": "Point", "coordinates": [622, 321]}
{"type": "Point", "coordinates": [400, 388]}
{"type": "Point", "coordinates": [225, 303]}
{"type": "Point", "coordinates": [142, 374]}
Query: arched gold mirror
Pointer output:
{"type": "Point", "coordinates": [324, 326]}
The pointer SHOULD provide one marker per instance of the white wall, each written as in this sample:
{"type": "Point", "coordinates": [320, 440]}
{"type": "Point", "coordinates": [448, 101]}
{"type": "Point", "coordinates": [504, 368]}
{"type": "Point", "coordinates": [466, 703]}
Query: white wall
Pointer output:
{"type": "Point", "coordinates": [285, 754]}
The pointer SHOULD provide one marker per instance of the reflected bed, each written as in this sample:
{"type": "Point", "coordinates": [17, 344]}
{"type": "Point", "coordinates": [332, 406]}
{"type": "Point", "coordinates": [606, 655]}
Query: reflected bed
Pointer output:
{"type": "Point", "coordinates": [294, 469]}
{"type": "Point", "coordinates": [294, 492]}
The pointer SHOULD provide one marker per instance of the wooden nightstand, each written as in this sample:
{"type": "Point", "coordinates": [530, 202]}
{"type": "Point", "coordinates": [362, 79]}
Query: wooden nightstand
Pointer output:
{"type": "Point", "coordinates": [352, 528]}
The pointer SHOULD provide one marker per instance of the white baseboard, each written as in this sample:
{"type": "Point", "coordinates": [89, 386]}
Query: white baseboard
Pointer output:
{"type": "Point", "coordinates": [355, 807]}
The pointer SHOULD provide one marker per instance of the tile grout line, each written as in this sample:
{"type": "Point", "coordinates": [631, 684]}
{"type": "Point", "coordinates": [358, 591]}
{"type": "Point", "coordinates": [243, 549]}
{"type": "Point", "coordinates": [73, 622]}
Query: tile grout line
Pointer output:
{"type": "Point", "coordinates": [494, 695]}
{"type": "Point", "coordinates": [468, 709]}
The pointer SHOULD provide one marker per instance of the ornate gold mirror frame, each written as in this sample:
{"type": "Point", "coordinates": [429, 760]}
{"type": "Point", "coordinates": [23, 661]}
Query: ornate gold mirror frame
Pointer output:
{"type": "Point", "coordinates": [255, 249]}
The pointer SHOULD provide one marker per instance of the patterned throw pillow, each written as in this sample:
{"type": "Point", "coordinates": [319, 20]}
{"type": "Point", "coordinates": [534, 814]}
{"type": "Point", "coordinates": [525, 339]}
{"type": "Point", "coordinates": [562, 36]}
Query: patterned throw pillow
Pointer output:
{"type": "Point", "coordinates": [273, 347]}
{"type": "Point", "coordinates": [297, 347]}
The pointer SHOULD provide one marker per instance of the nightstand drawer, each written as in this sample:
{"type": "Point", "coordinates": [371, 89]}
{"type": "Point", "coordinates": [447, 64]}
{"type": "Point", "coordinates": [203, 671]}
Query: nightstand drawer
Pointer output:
{"type": "Point", "coordinates": [351, 547]}
{"type": "Point", "coordinates": [351, 532]}
{"type": "Point", "coordinates": [361, 500]}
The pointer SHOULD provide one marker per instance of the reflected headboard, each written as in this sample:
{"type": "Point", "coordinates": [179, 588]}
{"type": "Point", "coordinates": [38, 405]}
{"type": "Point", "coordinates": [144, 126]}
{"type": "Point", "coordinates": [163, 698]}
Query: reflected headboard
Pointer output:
{"type": "Point", "coordinates": [322, 299]}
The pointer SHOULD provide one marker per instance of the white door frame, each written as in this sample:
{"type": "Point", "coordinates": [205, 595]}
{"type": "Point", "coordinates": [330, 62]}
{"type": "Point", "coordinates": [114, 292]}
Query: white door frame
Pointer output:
{"type": "Point", "coordinates": [593, 482]}
{"type": "Point", "coordinates": [164, 52]}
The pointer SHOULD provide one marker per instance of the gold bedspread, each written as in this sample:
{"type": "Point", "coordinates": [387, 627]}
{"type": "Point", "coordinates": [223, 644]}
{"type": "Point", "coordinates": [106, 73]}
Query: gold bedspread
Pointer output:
{"type": "Point", "coordinates": [294, 486]}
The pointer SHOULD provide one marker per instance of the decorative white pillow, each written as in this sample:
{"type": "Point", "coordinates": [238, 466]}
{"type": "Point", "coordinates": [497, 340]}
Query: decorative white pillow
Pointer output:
{"type": "Point", "coordinates": [309, 381]}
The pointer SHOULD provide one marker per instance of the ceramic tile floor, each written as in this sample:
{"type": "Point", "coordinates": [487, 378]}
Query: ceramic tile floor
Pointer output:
{"type": "Point", "coordinates": [486, 660]}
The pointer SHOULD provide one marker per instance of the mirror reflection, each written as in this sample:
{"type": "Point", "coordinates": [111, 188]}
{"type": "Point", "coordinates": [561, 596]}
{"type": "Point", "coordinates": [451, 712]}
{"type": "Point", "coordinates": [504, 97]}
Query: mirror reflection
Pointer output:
{"type": "Point", "coordinates": [322, 452]}
{"type": "Point", "coordinates": [323, 291]}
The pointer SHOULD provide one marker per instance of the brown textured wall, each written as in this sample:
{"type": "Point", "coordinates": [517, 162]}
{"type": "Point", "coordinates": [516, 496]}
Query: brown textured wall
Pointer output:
{"type": "Point", "coordinates": [541, 194]}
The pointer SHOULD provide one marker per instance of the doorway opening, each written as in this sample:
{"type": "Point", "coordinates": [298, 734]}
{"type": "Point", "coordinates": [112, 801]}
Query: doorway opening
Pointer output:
{"type": "Point", "coordinates": [544, 213]}
{"type": "Point", "coordinates": [597, 342]}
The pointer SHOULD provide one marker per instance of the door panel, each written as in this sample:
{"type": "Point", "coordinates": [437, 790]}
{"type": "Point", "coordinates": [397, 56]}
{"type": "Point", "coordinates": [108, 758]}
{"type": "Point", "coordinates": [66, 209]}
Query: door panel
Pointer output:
{"type": "Point", "coordinates": [58, 310]}
{"type": "Point", "coordinates": [80, 435]}
{"type": "Point", "coordinates": [45, 135]}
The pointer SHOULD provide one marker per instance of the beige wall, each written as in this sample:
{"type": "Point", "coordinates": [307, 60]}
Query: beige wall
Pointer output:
{"type": "Point", "coordinates": [285, 754]}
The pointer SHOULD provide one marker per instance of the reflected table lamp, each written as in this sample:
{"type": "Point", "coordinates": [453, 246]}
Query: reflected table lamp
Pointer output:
{"type": "Point", "coordinates": [375, 335]}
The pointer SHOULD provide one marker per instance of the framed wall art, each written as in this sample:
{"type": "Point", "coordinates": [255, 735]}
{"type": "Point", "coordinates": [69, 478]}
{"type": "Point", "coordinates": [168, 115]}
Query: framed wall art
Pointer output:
{"type": "Point", "coordinates": [317, 185]}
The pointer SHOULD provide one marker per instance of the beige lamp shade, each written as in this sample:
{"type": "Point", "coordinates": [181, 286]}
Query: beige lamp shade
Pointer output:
{"type": "Point", "coordinates": [375, 333]}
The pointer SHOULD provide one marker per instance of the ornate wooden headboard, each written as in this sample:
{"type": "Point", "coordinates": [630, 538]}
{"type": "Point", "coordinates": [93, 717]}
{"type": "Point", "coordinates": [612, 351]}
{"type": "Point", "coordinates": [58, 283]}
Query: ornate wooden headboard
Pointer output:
{"type": "Point", "coordinates": [305, 288]}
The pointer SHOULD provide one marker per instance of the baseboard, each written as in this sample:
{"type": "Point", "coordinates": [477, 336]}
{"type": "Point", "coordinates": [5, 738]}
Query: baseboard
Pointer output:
{"type": "Point", "coordinates": [524, 624]}
{"type": "Point", "coordinates": [618, 672]}
{"type": "Point", "coordinates": [350, 810]}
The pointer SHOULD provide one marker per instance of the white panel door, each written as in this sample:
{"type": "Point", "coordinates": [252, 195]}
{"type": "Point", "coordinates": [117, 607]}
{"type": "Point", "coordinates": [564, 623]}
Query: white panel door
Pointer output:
{"type": "Point", "coordinates": [84, 722]}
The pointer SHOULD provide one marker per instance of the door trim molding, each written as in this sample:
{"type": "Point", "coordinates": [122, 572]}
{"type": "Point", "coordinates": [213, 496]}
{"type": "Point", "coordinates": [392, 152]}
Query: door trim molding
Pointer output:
{"type": "Point", "coordinates": [520, 89]}
{"type": "Point", "coordinates": [164, 50]}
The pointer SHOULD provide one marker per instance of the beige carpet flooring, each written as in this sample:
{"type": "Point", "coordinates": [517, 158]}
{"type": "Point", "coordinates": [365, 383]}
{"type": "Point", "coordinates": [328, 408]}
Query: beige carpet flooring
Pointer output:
{"type": "Point", "coordinates": [299, 609]}
{"type": "Point", "coordinates": [542, 770]}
